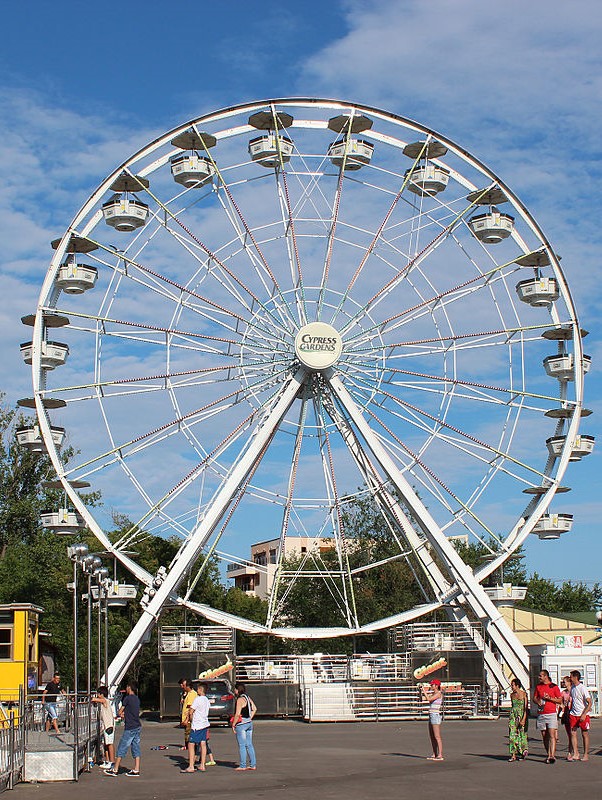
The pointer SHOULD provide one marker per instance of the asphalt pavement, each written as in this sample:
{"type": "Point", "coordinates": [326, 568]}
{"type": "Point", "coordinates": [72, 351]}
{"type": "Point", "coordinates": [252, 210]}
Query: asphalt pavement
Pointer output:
{"type": "Point", "coordinates": [339, 761]}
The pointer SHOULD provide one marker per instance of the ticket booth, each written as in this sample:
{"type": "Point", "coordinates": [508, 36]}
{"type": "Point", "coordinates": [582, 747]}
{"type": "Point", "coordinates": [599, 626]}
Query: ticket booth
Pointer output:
{"type": "Point", "coordinates": [569, 653]}
{"type": "Point", "coordinates": [19, 632]}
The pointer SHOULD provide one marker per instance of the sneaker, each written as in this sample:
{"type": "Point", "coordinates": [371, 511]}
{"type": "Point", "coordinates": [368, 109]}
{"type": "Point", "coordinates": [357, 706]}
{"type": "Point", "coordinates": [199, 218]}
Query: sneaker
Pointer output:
{"type": "Point", "coordinates": [111, 772]}
{"type": "Point", "coordinates": [211, 763]}
{"type": "Point", "coordinates": [132, 773]}
{"type": "Point", "coordinates": [107, 765]}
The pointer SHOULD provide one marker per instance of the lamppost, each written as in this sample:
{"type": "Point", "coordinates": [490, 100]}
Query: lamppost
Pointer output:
{"type": "Point", "coordinates": [91, 564]}
{"type": "Point", "coordinates": [102, 575]}
{"type": "Point", "coordinates": [76, 553]}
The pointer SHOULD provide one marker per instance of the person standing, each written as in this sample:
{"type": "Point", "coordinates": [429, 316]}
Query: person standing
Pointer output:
{"type": "Point", "coordinates": [199, 719]}
{"type": "Point", "coordinates": [49, 700]}
{"type": "Point", "coordinates": [547, 697]}
{"type": "Point", "coordinates": [564, 712]}
{"type": "Point", "coordinates": [130, 738]}
{"type": "Point", "coordinates": [433, 695]}
{"type": "Point", "coordinates": [188, 697]}
{"type": "Point", "coordinates": [581, 705]}
{"type": "Point", "coordinates": [517, 735]}
{"type": "Point", "coordinates": [107, 725]}
{"type": "Point", "coordinates": [242, 725]}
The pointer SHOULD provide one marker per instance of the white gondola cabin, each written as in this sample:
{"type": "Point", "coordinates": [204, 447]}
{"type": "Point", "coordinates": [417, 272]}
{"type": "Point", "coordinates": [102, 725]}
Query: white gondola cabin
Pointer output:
{"type": "Point", "coordinates": [54, 354]}
{"type": "Point", "coordinates": [538, 291]}
{"type": "Point", "coordinates": [191, 169]}
{"type": "Point", "coordinates": [62, 521]}
{"type": "Point", "coordinates": [74, 278]}
{"type": "Point", "coordinates": [125, 213]}
{"type": "Point", "coordinates": [427, 179]}
{"type": "Point", "coordinates": [491, 227]}
{"type": "Point", "coordinates": [118, 594]}
{"type": "Point", "coordinates": [551, 526]}
{"type": "Point", "coordinates": [270, 150]}
{"type": "Point", "coordinates": [583, 446]}
{"type": "Point", "coordinates": [351, 153]}
{"type": "Point", "coordinates": [30, 437]}
{"type": "Point", "coordinates": [561, 366]}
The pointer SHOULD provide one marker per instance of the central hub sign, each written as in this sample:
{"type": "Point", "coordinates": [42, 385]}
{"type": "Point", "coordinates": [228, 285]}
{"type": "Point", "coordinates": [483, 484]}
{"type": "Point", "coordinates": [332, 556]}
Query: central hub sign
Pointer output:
{"type": "Point", "coordinates": [318, 346]}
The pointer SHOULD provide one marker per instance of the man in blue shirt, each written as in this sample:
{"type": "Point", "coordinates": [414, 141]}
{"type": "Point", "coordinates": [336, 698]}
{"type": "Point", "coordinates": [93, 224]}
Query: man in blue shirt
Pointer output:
{"type": "Point", "coordinates": [130, 739]}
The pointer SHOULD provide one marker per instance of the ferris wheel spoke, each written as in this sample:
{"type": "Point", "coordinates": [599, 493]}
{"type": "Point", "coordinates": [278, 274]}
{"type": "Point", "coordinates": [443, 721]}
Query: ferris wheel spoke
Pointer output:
{"type": "Point", "coordinates": [461, 507]}
{"type": "Point", "coordinates": [330, 239]}
{"type": "Point", "coordinates": [159, 283]}
{"type": "Point", "coordinates": [439, 424]}
{"type": "Point", "coordinates": [482, 392]}
{"type": "Point", "coordinates": [286, 513]}
{"type": "Point", "coordinates": [149, 438]}
{"type": "Point", "coordinates": [341, 545]}
{"type": "Point", "coordinates": [294, 257]}
{"type": "Point", "coordinates": [426, 251]}
{"type": "Point", "coordinates": [377, 236]}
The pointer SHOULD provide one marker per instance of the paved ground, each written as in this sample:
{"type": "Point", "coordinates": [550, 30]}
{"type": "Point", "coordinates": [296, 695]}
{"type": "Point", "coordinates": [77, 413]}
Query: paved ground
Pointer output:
{"type": "Point", "coordinates": [343, 761]}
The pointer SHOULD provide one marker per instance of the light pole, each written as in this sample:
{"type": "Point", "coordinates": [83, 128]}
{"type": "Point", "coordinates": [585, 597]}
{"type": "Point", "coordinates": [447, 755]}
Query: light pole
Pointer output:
{"type": "Point", "coordinates": [76, 553]}
{"type": "Point", "coordinates": [88, 566]}
{"type": "Point", "coordinates": [101, 576]}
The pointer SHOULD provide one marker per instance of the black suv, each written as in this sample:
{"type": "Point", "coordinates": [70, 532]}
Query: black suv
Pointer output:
{"type": "Point", "coordinates": [221, 699]}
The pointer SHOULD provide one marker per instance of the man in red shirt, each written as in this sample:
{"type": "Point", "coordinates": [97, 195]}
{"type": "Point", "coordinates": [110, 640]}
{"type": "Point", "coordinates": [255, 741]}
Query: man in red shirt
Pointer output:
{"type": "Point", "coordinates": [547, 697]}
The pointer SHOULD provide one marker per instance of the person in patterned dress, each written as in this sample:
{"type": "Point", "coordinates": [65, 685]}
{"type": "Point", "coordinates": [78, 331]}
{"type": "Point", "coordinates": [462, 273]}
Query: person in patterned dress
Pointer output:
{"type": "Point", "coordinates": [517, 733]}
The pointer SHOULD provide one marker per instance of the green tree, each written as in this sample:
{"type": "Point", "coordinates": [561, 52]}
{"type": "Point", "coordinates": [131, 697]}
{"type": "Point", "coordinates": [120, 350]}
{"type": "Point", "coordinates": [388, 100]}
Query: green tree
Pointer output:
{"type": "Point", "coordinates": [568, 597]}
{"type": "Point", "coordinates": [476, 554]}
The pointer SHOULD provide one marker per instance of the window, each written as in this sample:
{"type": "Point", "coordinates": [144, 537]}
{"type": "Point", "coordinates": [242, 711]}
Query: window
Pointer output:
{"type": "Point", "coordinates": [260, 558]}
{"type": "Point", "coordinates": [304, 549]}
{"type": "Point", "coordinates": [273, 554]}
{"type": "Point", "coordinates": [6, 643]}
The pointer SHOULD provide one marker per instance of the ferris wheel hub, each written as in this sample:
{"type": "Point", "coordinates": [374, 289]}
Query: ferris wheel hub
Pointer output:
{"type": "Point", "coordinates": [318, 346]}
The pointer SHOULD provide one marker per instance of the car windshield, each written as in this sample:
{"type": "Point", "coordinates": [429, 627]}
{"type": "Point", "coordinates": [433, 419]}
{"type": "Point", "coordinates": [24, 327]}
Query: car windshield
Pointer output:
{"type": "Point", "coordinates": [218, 688]}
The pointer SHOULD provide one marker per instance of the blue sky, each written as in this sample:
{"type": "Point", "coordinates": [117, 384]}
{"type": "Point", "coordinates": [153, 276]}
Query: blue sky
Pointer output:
{"type": "Point", "coordinates": [518, 85]}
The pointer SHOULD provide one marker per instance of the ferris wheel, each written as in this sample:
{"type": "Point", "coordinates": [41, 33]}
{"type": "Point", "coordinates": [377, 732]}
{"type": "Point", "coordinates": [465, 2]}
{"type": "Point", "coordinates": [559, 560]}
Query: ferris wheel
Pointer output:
{"type": "Point", "coordinates": [282, 308]}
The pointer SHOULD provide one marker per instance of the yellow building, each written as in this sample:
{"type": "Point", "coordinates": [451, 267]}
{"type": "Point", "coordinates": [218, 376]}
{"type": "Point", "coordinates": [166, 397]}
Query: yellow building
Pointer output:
{"type": "Point", "coordinates": [19, 631]}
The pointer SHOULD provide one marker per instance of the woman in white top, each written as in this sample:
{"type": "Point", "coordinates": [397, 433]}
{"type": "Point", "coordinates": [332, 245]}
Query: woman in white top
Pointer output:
{"type": "Point", "coordinates": [434, 697]}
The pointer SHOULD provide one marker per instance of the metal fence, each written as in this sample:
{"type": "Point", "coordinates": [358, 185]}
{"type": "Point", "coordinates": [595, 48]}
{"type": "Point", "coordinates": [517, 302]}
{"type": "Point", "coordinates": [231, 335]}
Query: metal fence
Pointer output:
{"type": "Point", "coordinates": [12, 752]}
{"type": "Point", "coordinates": [22, 727]}
{"type": "Point", "coordinates": [323, 668]}
{"type": "Point", "coordinates": [197, 639]}
{"type": "Point", "coordinates": [381, 703]}
{"type": "Point", "coordinates": [429, 636]}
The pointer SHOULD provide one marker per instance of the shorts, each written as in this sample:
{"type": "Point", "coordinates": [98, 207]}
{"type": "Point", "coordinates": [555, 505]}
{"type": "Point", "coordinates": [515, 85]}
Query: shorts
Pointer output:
{"type": "Point", "coordinates": [196, 737]}
{"type": "Point", "coordinates": [547, 721]}
{"type": "Point", "coordinates": [577, 722]}
{"type": "Point", "coordinates": [129, 739]}
{"type": "Point", "coordinates": [51, 710]}
{"type": "Point", "coordinates": [108, 735]}
{"type": "Point", "coordinates": [435, 717]}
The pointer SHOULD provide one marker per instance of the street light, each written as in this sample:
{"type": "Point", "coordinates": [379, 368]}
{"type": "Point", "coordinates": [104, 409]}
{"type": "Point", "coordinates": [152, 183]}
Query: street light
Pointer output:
{"type": "Point", "coordinates": [77, 553]}
{"type": "Point", "coordinates": [102, 575]}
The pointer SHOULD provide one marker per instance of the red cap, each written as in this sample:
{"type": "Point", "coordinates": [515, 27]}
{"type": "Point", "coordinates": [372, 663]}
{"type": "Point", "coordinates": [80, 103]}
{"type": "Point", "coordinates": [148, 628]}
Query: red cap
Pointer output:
{"type": "Point", "coordinates": [435, 682]}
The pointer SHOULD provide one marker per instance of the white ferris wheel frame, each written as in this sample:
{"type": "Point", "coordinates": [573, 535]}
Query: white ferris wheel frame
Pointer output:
{"type": "Point", "coordinates": [371, 457]}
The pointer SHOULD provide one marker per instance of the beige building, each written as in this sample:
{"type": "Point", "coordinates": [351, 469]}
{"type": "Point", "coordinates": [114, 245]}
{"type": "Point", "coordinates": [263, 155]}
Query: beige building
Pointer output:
{"type": "Point", "coordinates": [535, 628]}
{"type": "Point", "coordinates": [256, 576]}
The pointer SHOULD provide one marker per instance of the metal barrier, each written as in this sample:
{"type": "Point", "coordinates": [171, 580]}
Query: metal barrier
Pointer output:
{"type": "Point", "coordinates": [429, 636]}
{"type": "Point", "coordinates": [381, 703]}
{"type": "Point", "coordinates": [12, 752]}
{"type": "Point", "coordinates": [323, 668]}
{"type": "Point", "coordinates": [196, 639]}
{"type": "Point", "coordinates": [66, 756]}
